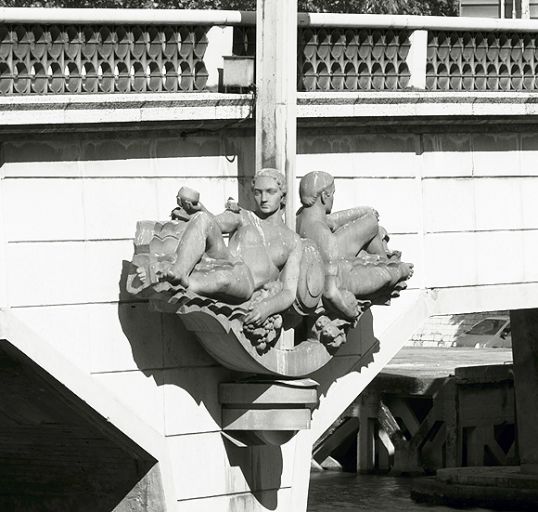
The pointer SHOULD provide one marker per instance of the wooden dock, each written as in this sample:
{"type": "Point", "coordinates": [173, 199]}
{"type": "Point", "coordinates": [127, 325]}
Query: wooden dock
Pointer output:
{"type": "Point", "coordinates": [429, 363]}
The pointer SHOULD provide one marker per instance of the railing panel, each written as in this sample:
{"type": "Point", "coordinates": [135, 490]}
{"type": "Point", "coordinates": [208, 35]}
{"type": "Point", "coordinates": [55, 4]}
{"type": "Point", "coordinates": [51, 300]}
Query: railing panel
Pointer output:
{"type": "Point", "coordinates": [343, 58]}
{"type": "Point", "coordinates": [337, 59]}
{"type": "Point", "coordinates": [137, 51]}
{"type": "Point", "coordinates": [67, 59]}
{"type": "Point", "coordinates": [481, 61]}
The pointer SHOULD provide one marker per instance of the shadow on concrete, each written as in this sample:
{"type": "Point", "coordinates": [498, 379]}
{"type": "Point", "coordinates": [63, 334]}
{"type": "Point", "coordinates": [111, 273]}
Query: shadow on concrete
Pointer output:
{"type": "Point", "coordinates": [357, 353]}
{"type": "Point", "coordinates": [261, 467]}
{"type": "Point", "coordinates": [165, 351]}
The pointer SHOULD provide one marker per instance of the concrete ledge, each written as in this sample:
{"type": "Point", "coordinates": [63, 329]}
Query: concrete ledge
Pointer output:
{"type": "Point", "coordinates": [84, 109]}
{"type": "Point", "coordinates": [499, 488]}
{"type": "Point", "coordinates": [480, 297]}
{"type": "Point", "coordinates": [121, 108]}
{"type": "Point", "coordinates": [509, 476]}
{"type": "Point", "coordinates": [416, 104]}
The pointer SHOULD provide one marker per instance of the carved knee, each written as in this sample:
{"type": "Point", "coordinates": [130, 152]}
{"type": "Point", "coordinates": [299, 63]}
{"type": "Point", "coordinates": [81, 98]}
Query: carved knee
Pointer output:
{"type": "Point", "coordinates": [202, 220]}
{"type": "Point", "coordinates": [372, 223]}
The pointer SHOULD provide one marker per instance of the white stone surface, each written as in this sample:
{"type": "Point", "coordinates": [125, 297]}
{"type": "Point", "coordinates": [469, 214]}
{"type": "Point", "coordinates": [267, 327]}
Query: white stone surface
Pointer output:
{"type": "Point", "coordinates": [231, 469]}
{"type": "Point", "coordinates": [281, 501]}
{"type": "Point", "coordinates": [141, 392]}
{"type": "Point", "coordinates": [55, 273]}
{"type": "Point", "coordinates": [191, 399]}
{"type": "Point", "coordinates": [417, 57]}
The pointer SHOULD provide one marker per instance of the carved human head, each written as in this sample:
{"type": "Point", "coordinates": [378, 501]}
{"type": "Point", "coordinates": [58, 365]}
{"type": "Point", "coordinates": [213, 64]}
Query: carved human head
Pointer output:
{"type": "Point", "coordinates": [314, 185]}
{"type": "Point", "coordinates": [188, 198]}
{"type": "Point", "coordinates": [273, 183]}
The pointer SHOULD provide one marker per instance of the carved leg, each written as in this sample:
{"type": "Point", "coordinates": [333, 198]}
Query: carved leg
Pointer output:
{"type": "Point", "coordinates": [231, 283]}
{"type": "Point", "coordinates": [366, 280]}
{"type": "Point", "coordinates": [361, 233]}
{"type": "Point", "coordinates": [202, 236]}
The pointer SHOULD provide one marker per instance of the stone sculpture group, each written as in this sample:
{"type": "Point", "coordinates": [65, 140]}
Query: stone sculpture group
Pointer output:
{"type": "Point", "coordinates": [266, 275]}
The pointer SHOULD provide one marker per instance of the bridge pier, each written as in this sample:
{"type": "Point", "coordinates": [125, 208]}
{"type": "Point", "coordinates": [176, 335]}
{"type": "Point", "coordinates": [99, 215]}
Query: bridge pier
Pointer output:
{"type": "Point", "coordinates": [524, 324]}
{"type": "Point", "coordinates": [514, 487]}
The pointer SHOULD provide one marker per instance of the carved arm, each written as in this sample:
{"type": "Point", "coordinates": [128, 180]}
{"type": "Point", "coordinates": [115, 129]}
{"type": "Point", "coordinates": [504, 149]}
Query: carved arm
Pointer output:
{"type": "Point", "coordinates": [229, 221]}
{"type": "Point", "coordinates": [283, 299]}
{"type": "Point", "coordinates": [338, 219]}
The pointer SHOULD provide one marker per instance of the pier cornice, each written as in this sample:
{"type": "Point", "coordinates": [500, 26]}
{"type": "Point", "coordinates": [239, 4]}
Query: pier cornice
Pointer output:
{"type": "Point", "coordinates": [79, 109]}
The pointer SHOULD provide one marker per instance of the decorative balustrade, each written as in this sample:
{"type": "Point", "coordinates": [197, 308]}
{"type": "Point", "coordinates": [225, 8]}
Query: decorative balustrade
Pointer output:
{"type": "Point", "coordinates": [76, 58]}
{"type": "Point", "coordinates": [353, 59]}
{"type": "Point", "coordinates": [78, 51]}
{"type": "Point", "coordinates": [481, 61]}
{"type": "Point", "coordinates": [343, 59]}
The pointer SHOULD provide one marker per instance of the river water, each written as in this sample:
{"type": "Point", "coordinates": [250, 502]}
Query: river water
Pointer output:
{"type": "Point", "coordinates": [341, 492]}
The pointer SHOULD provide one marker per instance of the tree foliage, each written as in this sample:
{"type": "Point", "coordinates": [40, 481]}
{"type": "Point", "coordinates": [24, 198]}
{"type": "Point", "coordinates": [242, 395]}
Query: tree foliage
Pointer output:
{"type": "Point", "coordinates": [420, 7]}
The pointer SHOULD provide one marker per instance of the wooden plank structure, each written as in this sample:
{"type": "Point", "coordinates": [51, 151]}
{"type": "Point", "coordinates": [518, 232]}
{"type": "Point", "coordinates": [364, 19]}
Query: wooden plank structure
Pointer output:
{"type": "Point", "coordinates": [420, 421]}
{"type": "Point", "coordinates": [427, 411]}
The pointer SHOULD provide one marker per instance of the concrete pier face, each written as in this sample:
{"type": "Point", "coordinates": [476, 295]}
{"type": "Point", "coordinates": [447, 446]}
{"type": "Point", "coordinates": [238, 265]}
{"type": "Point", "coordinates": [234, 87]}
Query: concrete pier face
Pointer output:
{"type": "Point", "coordinates": [69, 207]}
{"type": "Point", "coordinates": [525, 349]}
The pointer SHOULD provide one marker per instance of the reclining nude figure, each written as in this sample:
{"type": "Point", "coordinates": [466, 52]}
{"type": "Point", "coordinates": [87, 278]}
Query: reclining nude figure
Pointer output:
{"type": "Point", "coordinates": [262, 253]}
{"type": "Point", "coordinates": [352, 245]}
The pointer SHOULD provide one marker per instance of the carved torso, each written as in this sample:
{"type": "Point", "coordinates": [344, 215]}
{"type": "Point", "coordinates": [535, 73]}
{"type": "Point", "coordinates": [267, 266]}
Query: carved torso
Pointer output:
{"type": "Point", "coordinates": [312, 227]}
{"type": "Point", "coordinates": [264, 247]}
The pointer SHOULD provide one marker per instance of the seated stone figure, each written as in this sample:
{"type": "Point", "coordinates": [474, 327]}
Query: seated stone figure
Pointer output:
{"type": "Point", "coordinates": [262, 253]}
{"type": "Point", "coordinates": [352, 245]}
{"type": "Point", "coordinates": [188, 203]}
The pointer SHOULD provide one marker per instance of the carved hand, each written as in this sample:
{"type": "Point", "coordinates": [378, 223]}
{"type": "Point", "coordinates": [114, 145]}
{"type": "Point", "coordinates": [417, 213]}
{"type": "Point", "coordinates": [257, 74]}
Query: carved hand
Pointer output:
{"type": "Point", "coordinates": [191, 207]}
{"type": "Point", "coordinates": [141, 273]}
{"type": "Point", "coordinates": [257, 315]}
{"type": "Point", "coordinates": [232, 205]}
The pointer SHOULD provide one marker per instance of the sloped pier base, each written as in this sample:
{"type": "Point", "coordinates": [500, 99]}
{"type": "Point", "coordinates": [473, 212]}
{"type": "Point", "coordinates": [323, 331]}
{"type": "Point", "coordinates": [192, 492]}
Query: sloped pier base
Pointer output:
{"type": "Point", "coordinates": [499, 488]}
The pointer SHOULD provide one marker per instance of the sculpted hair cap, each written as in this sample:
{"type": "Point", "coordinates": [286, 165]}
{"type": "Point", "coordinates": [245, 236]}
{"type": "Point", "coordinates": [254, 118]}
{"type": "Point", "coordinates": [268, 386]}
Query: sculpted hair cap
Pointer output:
{"type": "Point", "coordinates": [312, 185]}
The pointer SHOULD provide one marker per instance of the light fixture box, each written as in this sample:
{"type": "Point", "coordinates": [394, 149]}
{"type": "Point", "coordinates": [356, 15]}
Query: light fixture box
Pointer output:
{"type": "Point", "coordinates": [238, 71]}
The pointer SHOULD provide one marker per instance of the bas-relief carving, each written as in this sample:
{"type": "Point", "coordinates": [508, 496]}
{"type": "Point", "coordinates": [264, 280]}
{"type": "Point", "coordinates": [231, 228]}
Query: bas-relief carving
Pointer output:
{"type": "Point", "coordinates": [238, 294]}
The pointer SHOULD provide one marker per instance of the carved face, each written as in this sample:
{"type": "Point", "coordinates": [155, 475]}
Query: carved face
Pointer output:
{"type": "Point", "coordinates": [267, 195]}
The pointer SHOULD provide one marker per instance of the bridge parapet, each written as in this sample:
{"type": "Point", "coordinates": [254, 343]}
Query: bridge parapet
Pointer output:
{"type": "Point", "coordinates": [76, 51]}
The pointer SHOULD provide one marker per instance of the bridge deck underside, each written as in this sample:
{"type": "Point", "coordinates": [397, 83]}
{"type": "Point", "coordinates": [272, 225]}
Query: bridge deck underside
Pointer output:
{"type": "Point", "coordinates": [56, 454]}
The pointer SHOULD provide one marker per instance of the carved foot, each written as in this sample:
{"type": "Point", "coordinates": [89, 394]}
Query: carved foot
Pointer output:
{"type": "Point", "coordinates": [175, 278]}
{"type": "Point", "coordinates": [394, 255]}
{"type": "Point", "coordinates": [406, 270]}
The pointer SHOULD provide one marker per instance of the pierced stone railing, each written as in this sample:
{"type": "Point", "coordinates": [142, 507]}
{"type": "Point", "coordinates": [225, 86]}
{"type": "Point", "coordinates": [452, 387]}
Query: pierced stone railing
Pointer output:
{"type": "Point", "coordinates": [72, 51]}
{"type": "Point", "coordinates": [420, 53]}
{"type": "Point", "coordinates": [344, 59]}
{"type": "Point", "coordinates": [482, 61]}
{"type": "Point", "coordinates": [61, 59]}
